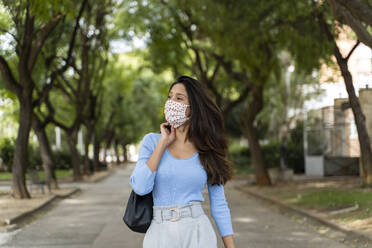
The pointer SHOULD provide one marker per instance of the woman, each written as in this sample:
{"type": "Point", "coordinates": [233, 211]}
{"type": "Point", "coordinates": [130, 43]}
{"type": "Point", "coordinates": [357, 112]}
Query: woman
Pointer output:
{"type": "Point", "coordinates": [175, 165]}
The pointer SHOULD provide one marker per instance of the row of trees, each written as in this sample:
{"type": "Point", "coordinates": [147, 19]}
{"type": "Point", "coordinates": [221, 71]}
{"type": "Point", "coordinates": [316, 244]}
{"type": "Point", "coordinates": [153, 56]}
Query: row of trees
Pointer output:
{"type": "Point", "coordinates": [48, 41]}
{"type": "Point", "coordinates": [59, 66]}
{"type": "Point", "coordinates": [236, 49]}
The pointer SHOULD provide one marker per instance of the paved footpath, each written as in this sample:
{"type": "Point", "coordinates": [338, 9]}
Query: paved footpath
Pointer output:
{"type": "Point", "coordinates": [93, 218]}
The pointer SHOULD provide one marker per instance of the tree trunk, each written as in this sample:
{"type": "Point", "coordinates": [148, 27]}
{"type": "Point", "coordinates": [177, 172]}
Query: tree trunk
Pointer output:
{"type": "Point", "coordinates": [117, 153]}
{"type": "Point", "coordinates": [20, 160]}
{"type": "Point", "coordinates": [283, 134]}
{"type": "Point", "coordinates": [27, 49]}
{"type": "Point", "coordinates": [72, 140]}
{"type": "Point", "coordinates": [88, 139]}
{"type": "Point", "coordinates": [248, 127]}
{"type": "Point", "coordinates": [96, 150]}
{"type": "Point", "coordinates": [106, 148]}
{"type": "Point", "coordinates": [104, 154]}
{"type": "Point", "coordinates": [125, 151]}
{"type": "Point", "coordinates": [46, 154]}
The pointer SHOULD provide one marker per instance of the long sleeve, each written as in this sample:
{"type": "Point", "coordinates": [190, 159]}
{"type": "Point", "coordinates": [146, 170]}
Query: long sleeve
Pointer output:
{"type": "Point", "coordinates": [142, 178]}
{"type": "Point", "coordinates": [220, 210]}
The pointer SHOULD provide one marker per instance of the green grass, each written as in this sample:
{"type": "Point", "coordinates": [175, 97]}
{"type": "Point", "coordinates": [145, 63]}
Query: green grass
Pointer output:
{"type": "Point", "coordinates": [5, 176]}
{"type": "Point", "coordinates": [4, 192]}
{"type": "Point", "coordinates": [328, 198]}
{"type": "Point", "coordinates": [59, 173]}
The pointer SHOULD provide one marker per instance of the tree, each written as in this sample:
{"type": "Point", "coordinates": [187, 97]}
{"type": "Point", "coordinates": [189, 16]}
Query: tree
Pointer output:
{"type": "Point", "coordinates": [359, 117]}
{"type": "Point", "coordinates": [132, 103]}
{"type": "Point", "coordinates": [32, 24]}
{"type": "Point", "coordinates": [284, 98]}
{"type": "Point", "coordinates": [41, 116]}
{"type": "Point", "coordinates": [176, 45]}
{"type": "Point", "coordinates": [247, 38]}
{"type": "Point", "coordinates": [234, 43]}
{"type": "Point", "coordinates": [82, 87]}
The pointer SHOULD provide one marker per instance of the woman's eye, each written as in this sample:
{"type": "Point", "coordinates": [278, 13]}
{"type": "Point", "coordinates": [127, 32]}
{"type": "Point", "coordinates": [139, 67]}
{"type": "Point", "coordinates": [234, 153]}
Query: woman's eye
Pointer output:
{"type": "Point", "coordinates": [181, 99]}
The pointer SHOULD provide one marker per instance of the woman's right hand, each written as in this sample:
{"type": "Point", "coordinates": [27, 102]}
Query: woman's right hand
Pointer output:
{"type": "Point", "coordinates": [166, 135]}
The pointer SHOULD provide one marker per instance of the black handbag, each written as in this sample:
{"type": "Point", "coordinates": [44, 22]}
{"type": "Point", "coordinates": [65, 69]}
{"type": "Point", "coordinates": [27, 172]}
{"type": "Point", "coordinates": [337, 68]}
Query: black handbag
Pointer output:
{"type": "Point", "coordinates": [139, 212]}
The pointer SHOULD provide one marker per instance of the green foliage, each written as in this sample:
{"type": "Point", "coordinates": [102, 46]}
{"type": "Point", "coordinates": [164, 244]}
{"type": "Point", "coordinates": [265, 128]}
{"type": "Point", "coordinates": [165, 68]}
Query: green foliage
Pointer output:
{"type": "Point", "coordinates": [34, 160]}
{"type": "Point", "coordinates": [250, 34]}
{"type": "Point", "coordinates": [271, 152]}
{"type": "Point", "coordinates": [241, 156]}
{"type": "Point", "coordinates": [6, 152]}
{"type": "Point", "coordinates": [285, 96]}
{"type": "Point", "coordinates": [165, 39]}
{"type": "Point", "coordinates": [7, 147]}
{"type": "Point", "coordinates": [9, 112]}
{"type": "Point", "coordinates": [134, 95]}
{"type": "Point", "coordinates": [5, 19]}
{"type": "Point", "coordinates": [62, 159]}
{"type": "Point", "coordinates": [295, 153]}
{"type": "Point", "coordinates": [233, 127]}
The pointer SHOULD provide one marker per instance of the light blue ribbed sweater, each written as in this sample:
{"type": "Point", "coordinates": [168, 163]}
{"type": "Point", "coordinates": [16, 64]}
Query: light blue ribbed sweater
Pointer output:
{"type": "Point", "coordinates": [178, 181]}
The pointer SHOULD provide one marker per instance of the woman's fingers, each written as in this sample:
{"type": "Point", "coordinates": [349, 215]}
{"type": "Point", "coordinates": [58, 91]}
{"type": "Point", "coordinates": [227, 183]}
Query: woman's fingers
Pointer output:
{"type": "Point", "coordinates": [163, 128]}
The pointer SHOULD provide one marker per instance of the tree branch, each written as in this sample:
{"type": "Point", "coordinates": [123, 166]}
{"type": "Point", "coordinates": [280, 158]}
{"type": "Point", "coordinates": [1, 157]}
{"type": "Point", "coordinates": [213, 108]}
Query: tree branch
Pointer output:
{"type": "Point", "coordinates": [238, 76]}
{"type": "Point", "coordinates": [10, 82]}
{"type": "Point", "coordinates": [215, 71]}
{"type": "Point", "coordinates": [45, 31]}
{"type": "Point", "coordinates": [344, 16]}
{"type": "Point", "coordinates": [7, 32]}
{"type": "Point", "coordinates": [227, 65]}
{"type": "Point", "coordinates": [51, 114]}
{"type": "Point", "coordinates": [64, 90]}
{"type": "Point", "coordinates": [359, 9]}
{"type": "Point", "coordinates": [352, 50]}
{"type": "Point", "coordinates": [236, 102]}
{"type": "Point", "coordinates": [74, 33]}
{"type": "Point", "coordinates": [68, 84]}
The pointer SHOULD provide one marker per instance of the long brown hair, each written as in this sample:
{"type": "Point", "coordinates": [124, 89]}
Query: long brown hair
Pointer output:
{"type": "Point", "coordinates": [207, 131]}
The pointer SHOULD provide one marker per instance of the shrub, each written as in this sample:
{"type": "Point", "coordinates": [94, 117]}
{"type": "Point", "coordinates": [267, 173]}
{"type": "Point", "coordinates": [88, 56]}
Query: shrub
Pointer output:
{"type": "Point", "coordinates": [271, 154]}
{"type": "Point", "coordinates": [243, 161]}
{"type": "Point", "coordinates": [7, 147]}
{"type": "Point", "coordinates": [62, 159]}
{"type": "Point", "coordinates": [34, 156]}
{"type": "Point", "coordinates": [7, 152]}
{"type": "Point", "coordinates": [296, 159]}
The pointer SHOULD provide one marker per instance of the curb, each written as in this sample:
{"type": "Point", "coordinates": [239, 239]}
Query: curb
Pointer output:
{"type": "Point", "coordinates": [306, 214]}
{"type": "Point", "coordinates": [16, 219]}
{"type": "Point", "coordinates": [11, 223]}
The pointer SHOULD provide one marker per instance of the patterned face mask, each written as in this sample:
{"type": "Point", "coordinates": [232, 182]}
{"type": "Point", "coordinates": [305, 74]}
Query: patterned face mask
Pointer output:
{"type": "Point", "coordinates": [175, 113]}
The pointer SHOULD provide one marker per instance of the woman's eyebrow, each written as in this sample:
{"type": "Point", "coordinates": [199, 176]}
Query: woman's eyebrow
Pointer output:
{"type": "Point", "coordinates": [178, 94]}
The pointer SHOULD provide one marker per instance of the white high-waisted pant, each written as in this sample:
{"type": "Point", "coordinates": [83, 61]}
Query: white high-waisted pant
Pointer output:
{"type": "Point", "coordinates": [187, 232]}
